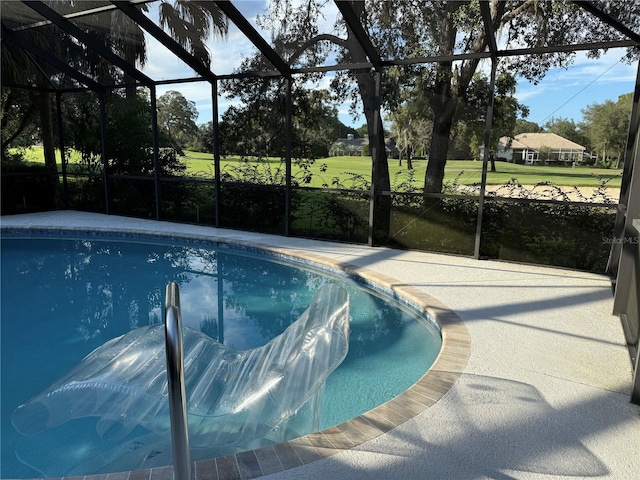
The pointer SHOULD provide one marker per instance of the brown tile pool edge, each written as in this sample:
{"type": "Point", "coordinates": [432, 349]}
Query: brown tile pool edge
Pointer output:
{"type": "Point", "coordinates": [433, 385]}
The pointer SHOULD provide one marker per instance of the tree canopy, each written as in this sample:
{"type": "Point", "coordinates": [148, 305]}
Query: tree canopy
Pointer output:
{"type": "Point", "coordinates": [447, 91]}
{"type": "Point", "coordinates": [452, 26]}
{"type": "Point", "coordinates": [607, 126]}
{"type": "Point", "coordinates": [177, 117]}
{"type": "Point", "coordinates": [568, 129]}
{"type": "Point", "coordinates": [446, 28]}
{"type": "Point", "coordinates": [190, 23]}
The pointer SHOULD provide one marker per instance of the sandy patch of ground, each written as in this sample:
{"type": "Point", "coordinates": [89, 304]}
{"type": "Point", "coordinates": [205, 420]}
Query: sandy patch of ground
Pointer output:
{"type": "Point", "coordinates": [548, 192]}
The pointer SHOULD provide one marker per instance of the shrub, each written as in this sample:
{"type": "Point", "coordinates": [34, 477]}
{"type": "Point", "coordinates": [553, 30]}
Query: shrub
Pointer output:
{"type": "Point", "coordinates": [557, 234]}
{"type": "Point", "coordinates": [27, 188]}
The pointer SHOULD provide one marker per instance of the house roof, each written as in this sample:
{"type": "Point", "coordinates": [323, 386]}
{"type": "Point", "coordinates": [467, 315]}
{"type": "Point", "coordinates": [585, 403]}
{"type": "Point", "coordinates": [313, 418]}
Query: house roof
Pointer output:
{"type": "Point", "coordinates": [535, 141]}
{"type": "Point", "coordinates": [352, 142]}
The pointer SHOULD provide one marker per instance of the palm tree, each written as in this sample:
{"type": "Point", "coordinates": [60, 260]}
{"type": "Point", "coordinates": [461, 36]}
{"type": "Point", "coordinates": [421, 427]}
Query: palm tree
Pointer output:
{"type": "Point", "coordinates": [129, 42]}
{"type": "Point", "coordinates": [192, 22]}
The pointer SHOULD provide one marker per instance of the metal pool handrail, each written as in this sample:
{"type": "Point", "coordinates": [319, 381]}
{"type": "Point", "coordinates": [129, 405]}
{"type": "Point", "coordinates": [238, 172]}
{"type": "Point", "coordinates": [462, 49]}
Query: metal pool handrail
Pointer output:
{"type": "Point", "coordinates": [175, 379]}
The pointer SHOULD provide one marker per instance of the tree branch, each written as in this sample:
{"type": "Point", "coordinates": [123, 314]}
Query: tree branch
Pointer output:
{"type": "Point", "coordinates": [312, 41]}
{"type": "Point", "coordinates": [514, 13]}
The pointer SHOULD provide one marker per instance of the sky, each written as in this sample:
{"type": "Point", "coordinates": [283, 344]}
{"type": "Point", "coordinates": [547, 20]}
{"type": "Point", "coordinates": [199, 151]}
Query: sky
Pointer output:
{"type": "Point", "coordinates": [563, 93]}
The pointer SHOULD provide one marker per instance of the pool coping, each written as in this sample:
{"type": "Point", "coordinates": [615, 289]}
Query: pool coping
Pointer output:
{"type": "Point", "coordinates": [431, 387]}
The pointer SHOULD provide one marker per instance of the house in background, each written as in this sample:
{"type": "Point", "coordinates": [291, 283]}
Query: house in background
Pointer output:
{"type": "Point", "coordinates": [347, 146]}
{"type": "Point", "coordinates": [539, 148]}
{"type": "Point", "coordinates": [358, 146]}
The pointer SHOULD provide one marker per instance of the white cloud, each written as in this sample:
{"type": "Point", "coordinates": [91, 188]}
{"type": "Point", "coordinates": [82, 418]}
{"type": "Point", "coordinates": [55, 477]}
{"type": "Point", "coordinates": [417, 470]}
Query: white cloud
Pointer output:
{"type": "Point", "coordinates": [162, 64]}
{"type": "Point", "coordinates": [227, 54]}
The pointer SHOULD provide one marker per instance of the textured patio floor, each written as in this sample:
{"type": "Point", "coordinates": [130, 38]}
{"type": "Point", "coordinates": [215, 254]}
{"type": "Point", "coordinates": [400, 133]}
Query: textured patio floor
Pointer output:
{"type": "Point", "coordinates": [544, 393]}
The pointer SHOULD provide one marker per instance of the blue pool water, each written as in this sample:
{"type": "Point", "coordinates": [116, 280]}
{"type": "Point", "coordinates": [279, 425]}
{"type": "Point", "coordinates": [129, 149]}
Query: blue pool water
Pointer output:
{"type": "Point", "coordinates": [62, 298]}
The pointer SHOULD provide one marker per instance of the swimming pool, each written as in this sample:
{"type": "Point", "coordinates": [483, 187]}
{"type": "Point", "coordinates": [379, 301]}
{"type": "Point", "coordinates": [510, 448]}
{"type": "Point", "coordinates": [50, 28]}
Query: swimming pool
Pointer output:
{"type": "Point", "coordinates": [105, 288]}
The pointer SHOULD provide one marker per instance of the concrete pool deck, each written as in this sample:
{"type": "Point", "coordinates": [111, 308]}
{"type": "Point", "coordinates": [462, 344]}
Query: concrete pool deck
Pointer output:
{"type": "Point", "coordinates": [543, 394]}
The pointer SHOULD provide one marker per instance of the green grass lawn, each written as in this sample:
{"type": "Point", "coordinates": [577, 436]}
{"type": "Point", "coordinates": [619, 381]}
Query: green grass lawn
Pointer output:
{"type": "Point", "coordinates": [35, 154]}
{"type": "Point", "coordinates": [467, 172]}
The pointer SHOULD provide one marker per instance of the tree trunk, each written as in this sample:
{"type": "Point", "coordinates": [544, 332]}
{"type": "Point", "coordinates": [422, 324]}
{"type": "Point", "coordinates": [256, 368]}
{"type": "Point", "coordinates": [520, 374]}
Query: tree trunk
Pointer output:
{"type": "Point", "coordinates": [438, 149]}
{"type": "Point", "coordinates": [367, 90]}
{"type": "Point", "coordinates": [46, 130]}
{"type": "Point", "coordinates": [409, 150]}
{"type": "Point", "coordinates": [445, 96]}
{"type": "Point", "coordinates": [48, 142]}
{"type": "Point", "coordinates": [381, 179]}
{"type": "Point", "coordinates": [443, 103]}
{"type": "Point", "coordinates": [130, 92]}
